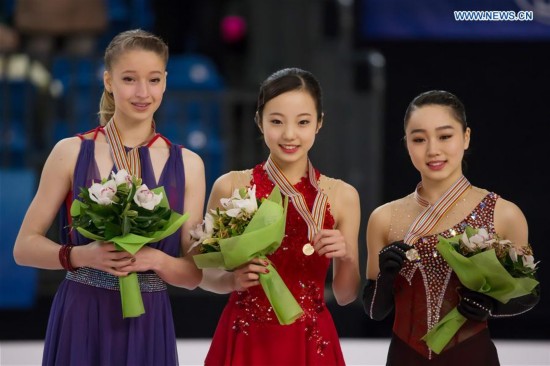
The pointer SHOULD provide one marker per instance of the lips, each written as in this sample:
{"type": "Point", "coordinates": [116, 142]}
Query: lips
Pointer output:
{"type": "Point", "coordinates": [436, 165]}
{"type": "Point", "coordinates": [141, 106]}
{"type": "Point", "coordinates": [289, 148]}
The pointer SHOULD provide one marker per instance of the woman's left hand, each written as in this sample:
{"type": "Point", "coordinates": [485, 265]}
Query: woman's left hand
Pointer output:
{"type": "Point", "coordinates": [144, 260]}
{"type": "Point", "coordinates": [330, 243]}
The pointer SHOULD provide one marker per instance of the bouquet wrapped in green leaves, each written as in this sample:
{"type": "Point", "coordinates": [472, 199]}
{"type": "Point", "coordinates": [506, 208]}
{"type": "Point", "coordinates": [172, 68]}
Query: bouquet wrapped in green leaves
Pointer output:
{"type": "Point", "coordinates": [487, 264]}
{"type": "Point", "coordinates": [243, 231]}
{"type": "Point", "coordinates": [125, 212]}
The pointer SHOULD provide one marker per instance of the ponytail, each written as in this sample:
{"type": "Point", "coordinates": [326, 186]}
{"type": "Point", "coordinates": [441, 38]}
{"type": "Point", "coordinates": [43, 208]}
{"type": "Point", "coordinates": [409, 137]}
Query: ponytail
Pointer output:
{"type": "Point", "coordinates": [106, 108]}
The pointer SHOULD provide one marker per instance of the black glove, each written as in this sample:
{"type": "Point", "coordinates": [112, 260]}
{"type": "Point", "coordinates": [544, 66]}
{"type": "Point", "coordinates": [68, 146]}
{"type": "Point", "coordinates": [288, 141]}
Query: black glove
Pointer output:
{"type": "Point", "coordinates": [391, 258]}
{"type": "Point", "coordinates": [378, 294]}
{"type": "Point", "coordinates": [517, 305]}
{"type": "Point", "coordinates": [474, 305]}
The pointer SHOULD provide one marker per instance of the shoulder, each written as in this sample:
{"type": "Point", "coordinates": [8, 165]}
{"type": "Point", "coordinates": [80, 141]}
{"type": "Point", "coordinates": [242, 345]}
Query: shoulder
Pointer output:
{"type": "Point", "coordinates": [62, 159]}
{"type": "Point", "coordinates": [382, 215]}
{"type": "Point", "coordinates": [191, 159]}
{"type": "Point", "coordinates": [341, 191]}
{"type": "Point", "coordinates": [234, 179]}
{"type": "Point", "coordinates": [507, 211]}
{"type": "Point", "coordinates": [66, 148]}
{"type": "Point", "coordinates": [510, 222]}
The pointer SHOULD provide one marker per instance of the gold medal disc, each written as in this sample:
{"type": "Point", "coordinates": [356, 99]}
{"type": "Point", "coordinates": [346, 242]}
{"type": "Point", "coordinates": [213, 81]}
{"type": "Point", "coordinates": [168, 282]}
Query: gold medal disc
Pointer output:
{"type": "Point", "coordinates": [308, 249]}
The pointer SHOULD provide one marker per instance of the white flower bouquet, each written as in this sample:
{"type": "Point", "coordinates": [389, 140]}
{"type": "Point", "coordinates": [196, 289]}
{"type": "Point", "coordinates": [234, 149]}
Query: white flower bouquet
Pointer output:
{"type": "Point", "coordinates": [245, 229]}
{"type": "Point", "coordinates": [126, 212]}
{"type": "Point", "coordinates": [484, 263]}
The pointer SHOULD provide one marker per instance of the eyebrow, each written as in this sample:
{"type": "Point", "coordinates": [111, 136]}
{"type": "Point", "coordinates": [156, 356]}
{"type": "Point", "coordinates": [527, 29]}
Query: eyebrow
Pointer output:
{"type": "Point", "coordinates": [134, 71]}
{"type": "Point", "coordinates": [446, 127]}
{"type": "Point", "coordinates": [281, 114]}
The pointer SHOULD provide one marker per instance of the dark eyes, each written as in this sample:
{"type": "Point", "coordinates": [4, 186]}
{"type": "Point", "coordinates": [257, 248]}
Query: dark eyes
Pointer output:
{"type": "Point", "coordinates": [129, 79]}
{"type": "Point", "coordinates": [278, 122]}
{"type": "Point", "coordinates": [422, 139]}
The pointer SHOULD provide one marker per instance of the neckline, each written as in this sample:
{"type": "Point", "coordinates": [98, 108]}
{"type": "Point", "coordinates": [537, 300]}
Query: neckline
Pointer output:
{"type": "Point", "coordinates": [462, 221]}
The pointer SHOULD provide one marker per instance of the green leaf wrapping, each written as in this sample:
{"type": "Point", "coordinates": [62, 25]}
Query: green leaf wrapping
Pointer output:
{"type": "Point", "coordinates": [262, 236]}
{"type": "Point", "coordinates": [481, 272]}
{"type": "Point", "coordinates": [111, 230]}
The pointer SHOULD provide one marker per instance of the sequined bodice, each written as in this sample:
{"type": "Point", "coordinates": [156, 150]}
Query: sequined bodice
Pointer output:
{"type": "Point", "coordinates": [425, 291]}
{"type": "Point", "coordinates": [303, 275]}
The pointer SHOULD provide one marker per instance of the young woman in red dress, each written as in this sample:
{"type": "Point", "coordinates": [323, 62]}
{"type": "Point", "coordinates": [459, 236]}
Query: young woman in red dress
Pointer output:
{"type": "Point", "coordinates": [289, 115]}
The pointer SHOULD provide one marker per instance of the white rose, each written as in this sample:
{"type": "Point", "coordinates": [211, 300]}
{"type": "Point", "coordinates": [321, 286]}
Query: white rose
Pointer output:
{"type": "Point", "coordinates": [103, 193]}
{"type": "Point", "coordinates": [146, 198]}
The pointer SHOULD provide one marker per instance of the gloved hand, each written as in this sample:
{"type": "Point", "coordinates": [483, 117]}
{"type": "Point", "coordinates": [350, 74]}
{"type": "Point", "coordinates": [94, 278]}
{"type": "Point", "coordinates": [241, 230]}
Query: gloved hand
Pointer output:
{"type": "Point", "coordinates": [391, 258]}
{"type": "Point", "coordinates": [474, 305]}
{"type": "Point", "coordinates": [378, 294]}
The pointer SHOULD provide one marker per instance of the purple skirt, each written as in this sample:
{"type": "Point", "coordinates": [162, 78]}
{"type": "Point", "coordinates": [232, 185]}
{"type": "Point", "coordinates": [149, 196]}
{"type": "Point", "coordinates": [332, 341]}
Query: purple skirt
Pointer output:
{"type": "Point", "coordinates": [86, 327]}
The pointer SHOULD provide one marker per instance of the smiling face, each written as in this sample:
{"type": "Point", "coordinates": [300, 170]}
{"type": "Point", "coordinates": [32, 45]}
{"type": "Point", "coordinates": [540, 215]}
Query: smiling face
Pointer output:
{"type": "Point", "coordinates": [137, 80]}
{"type": "Point", "coordinates": [436, 142]}
{"type": "Point", "coordinates": [289, 123]}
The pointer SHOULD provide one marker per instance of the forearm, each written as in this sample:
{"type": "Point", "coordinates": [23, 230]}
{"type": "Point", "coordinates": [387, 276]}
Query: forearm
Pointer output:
{"type": "Point", "coordinates": [36, 251]}
{"type": "Point", "coordinates": [179, 272]}
{"type": "Point", "coordinates": [217, 281]}
{"type": "Point", "coordinates": [346, 281]}
{"type": "Point", "coordinates": [378, 298]}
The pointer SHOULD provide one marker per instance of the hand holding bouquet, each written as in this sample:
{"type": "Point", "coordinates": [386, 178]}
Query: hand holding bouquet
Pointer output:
{"type": "Point", "coordinates": [245, 230]}
{"type": "Point", "coordinates": [487, 264]}
{"type": "Point", "coordinates": [124, 211]}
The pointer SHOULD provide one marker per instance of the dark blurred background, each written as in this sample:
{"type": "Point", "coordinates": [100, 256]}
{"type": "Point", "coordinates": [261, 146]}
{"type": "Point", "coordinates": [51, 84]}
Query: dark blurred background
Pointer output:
{"type": "Point", "coordinates": [371, 56]}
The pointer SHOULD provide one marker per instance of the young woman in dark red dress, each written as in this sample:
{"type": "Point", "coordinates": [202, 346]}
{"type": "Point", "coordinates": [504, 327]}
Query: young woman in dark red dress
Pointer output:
{"type": "Point", "coordinates": [444, 203]}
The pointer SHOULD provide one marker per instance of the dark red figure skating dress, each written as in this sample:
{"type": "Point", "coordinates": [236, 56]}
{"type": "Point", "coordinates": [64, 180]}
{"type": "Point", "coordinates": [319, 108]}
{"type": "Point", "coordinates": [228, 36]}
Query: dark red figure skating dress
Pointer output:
{"type": "Point", "coordinates": [426, 291]}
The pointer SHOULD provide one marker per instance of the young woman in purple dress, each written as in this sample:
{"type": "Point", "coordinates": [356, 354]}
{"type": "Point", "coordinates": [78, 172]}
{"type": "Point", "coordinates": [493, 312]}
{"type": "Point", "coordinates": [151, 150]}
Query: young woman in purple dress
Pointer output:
{"type": "Point", "coordinates": [86, 326]}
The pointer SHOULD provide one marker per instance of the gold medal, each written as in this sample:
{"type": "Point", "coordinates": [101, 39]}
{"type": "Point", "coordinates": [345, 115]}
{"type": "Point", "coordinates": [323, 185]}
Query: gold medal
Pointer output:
{"type": "Point", "coordinates": [308, 249]}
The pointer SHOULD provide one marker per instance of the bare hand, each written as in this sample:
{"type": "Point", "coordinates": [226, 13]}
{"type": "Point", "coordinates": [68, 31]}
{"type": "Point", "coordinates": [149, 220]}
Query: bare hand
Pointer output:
{"type": "Point", "coordinates": [248, 275]}
{"type": "Point", "coordinates": [144, 260]}
{"type": "Point", "coordinates": [330, 243]}
{"type": "Point", "coordinates": [101, 255]}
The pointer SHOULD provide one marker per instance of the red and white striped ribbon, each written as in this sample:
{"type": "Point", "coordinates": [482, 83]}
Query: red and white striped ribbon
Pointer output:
{"type": "Point", "coordinates": [427, 220]}
{"type": "Point", "coordinates": [314, 218]}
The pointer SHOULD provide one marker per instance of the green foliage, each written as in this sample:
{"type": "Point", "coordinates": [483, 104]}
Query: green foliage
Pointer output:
{"type": "Point", "coordinates": [121, 217]}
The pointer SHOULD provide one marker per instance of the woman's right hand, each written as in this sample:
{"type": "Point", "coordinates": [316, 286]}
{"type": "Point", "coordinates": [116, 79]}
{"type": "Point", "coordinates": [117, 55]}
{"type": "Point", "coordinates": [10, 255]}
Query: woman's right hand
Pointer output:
{"type": "Point", "coordinates": [391, 258]}
{"type": "Point", "coordinates": [101, 255]}
{"type": "Point", "coordinates": [248, 274]}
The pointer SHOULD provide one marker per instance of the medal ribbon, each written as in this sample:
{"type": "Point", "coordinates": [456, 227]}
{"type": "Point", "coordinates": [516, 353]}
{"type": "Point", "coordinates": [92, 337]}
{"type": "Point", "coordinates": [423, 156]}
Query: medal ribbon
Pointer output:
{"type": "Point", "coordinates": [429, 218]}
{"type": "Point", "coordinates": [314, 218]}
{"type": "Point", "coordinates": [123, 160]}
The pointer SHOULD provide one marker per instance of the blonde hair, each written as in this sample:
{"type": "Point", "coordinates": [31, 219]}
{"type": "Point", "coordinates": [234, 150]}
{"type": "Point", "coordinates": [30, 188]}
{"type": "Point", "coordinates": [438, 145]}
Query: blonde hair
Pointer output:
{"type": "Point", "coordinates": [135, 39]}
